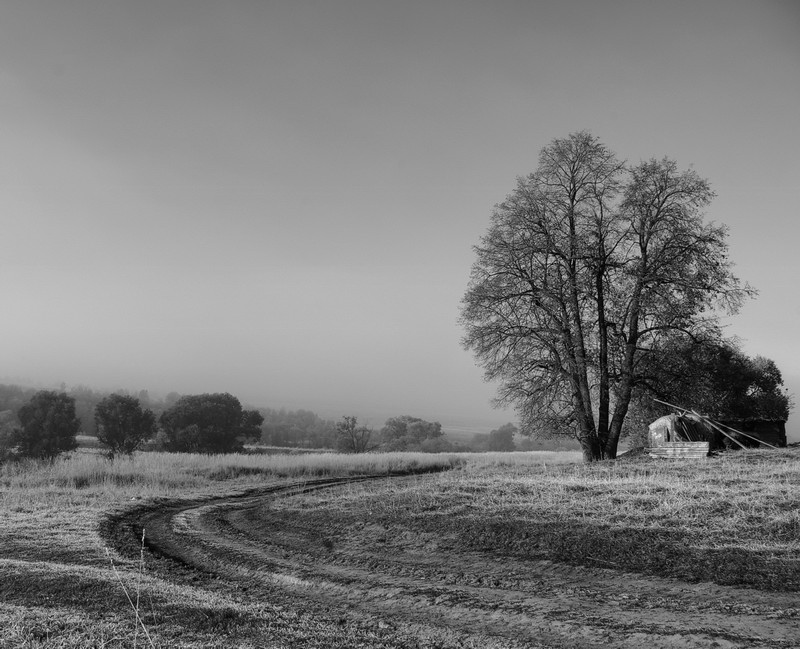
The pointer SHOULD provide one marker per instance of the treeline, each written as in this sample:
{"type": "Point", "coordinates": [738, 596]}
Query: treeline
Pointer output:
{"type": "Point", "coordinates": [508, 438]}
{"type": "Point", "coordinates": [47, 424]}
{"type": "Point", "coordinates": [296, 429]}
{"type": "Point", "coordinates": [305, 429]}
{"type": "Point", "coordinates": [12, 398]}
{"type": "Point", "coordinates": [406, 433]}
{"type": "Point", "coordinates": [44, 423]}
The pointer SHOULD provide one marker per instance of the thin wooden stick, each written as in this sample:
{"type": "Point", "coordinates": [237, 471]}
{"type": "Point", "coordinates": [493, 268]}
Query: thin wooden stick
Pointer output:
{"type": "Point", "coordinates": [671, 405]}
{"type": "Point", "coordinates": [139, 620]}
{"type": "Point", "coordinates": [715, 427]}
{"type": "Point", "coordinates": [711, 423]}
{"type": "Point", "coordinates": [755, 439]}
{"type": "Point", "coordinates": [139, 588]}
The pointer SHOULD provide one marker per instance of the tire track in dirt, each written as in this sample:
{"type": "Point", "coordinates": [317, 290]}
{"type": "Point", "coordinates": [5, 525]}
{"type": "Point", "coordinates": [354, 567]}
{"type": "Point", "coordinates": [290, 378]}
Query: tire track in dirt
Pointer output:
{"type": "Point", "coordinates": [423, 588]}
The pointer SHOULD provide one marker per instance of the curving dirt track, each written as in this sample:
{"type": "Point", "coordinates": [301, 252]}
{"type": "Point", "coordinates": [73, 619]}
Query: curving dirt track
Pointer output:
{"type": "Point", "coordinates": [417, 585]}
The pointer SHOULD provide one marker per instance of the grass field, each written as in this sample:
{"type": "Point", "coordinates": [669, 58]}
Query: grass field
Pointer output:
{"type": "Point", "coordinates": [49, 540]}
{"type": "Point", "coordinates": [734, 519]}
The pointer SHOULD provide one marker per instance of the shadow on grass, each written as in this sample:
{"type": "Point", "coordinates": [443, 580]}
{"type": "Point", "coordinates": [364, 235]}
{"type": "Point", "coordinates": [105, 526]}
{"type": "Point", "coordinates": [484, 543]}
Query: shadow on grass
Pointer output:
{"type": "Point", "coordinates": [97, 594]}
{"type": "Point", "coordinates": [659, 552]}
{"type": "Point", "coordinates": [60, 607]}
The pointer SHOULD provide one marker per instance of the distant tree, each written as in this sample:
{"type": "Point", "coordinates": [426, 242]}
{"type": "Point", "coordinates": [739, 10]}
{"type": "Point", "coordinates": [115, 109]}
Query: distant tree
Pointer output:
{"type": "Point", "coordinates": [122, 425]}
{"type": "Point", "coordinates": [13, 396]}
{"type": "Point", "coordinates": [297, 428]}
{"type": "Point", "coordinates": [209, 423]}
{"type": "Point", "coordinates": [86, 399]}
{"type": "Point", "coordinates": [8, 421]}
{"type": "Point", "coordinates": [479, 443]}
{"type": "Point", "coordinates": [440, 445]}
{"type": "Point", "coordinates": [502, 439]}
{"type": "Point", "coordinates": [251, 424]}
{"type": "Point", "coordinates": [408, 433]}
{"type": "Point", "coordinates": [48, 426]}
{"type": "Point", "coordinates": [352, 438]}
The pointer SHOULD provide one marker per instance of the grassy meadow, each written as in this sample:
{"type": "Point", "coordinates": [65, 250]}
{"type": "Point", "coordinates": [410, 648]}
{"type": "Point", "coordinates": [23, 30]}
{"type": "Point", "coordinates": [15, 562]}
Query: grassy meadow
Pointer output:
{"type": "Point", "coordinates": [58, 587]}
{"type": "Point", "coordinates": [733, 519]}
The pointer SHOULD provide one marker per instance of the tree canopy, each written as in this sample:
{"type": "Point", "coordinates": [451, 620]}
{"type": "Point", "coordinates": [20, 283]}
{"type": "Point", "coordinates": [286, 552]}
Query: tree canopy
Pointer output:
{"type": "Point", "coordinates": [209, 423]}
{"type": "Point", "coordinates": [302, 428]}
{"type": "Point", "coordinates": [587, 266]}
{"type": "Point", "coordinates": [502, 439]}
{"type": "Point", "coordinates": [714, 378]}
{"type": "Point", "coordinates": [49, 426]}
{"type": "Point", "coordinates": [352, 438]}
{"type": "Point", "coordinates": [405, 433]}
{"type": "Point", "coordinates": [122, 424]}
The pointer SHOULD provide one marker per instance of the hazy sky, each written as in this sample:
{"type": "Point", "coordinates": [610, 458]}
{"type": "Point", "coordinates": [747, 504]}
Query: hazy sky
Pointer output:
{"type": "Point", "coordinates": [279, 199]}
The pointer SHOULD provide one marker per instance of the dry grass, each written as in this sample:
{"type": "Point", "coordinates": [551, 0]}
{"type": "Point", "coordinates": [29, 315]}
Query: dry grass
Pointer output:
{"type": "Point", "coordinates": [162, 473]}
{"type": "Point", "coordinates": [734, 519]}
{"type": "Point", "coordinates": [55, 574]}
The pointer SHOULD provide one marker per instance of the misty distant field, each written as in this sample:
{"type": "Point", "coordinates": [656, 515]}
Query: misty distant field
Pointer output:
{"type": "Point", "coordinates": [489, 550]}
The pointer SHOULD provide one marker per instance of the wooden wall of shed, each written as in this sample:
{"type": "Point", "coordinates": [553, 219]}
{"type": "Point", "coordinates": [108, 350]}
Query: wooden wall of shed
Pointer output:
{"type": "Point", "coordinates": [770, 431]}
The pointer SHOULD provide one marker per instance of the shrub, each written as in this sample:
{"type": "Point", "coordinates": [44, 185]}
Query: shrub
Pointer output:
{"type": "Point", "coordinates": [210, 423]}
{"type": "Point", "coordinates": [122, 425]}
{"type": "Point", "coordinates": [49, 426]}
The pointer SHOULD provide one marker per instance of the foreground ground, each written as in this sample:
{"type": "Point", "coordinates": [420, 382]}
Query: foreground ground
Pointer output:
{"type": "Point", "coordinates": [518, 552]}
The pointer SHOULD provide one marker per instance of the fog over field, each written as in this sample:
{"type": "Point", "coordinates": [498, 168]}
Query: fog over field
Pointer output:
{"type": "Point", "coordinates": [279, 199]}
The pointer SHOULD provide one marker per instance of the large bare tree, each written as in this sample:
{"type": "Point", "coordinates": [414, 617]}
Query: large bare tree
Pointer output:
{"type": "Point", "coordinates": [585, 266]}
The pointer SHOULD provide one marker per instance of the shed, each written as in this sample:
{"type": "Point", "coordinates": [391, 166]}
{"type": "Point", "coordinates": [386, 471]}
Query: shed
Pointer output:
{"type": "Point", "coordinates": [686, 435]}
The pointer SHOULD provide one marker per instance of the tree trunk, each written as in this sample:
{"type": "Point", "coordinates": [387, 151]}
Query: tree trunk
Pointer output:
{"type": "Point", "coordinates": [604, 396]}
{"type": "Point", "coordinates": [623, 396]}
{"type": "Point", "coordinates": [591, 448]}
{"type": "Point", "coordinates": [610, 448]}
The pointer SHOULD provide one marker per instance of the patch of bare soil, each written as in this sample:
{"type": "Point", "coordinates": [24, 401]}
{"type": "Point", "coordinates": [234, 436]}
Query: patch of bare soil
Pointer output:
{"type": "Point", "coordinates": [423, 588]}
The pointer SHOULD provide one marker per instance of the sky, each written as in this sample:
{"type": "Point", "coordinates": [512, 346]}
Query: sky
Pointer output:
{"type": "Point", "coordinates": [280, 199]}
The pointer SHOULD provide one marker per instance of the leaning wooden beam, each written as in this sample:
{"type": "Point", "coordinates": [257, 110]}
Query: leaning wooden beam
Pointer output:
{"type": "Point", "coordinates": [710, 422]}
{"type": "Point", "coordinates": [755, 439]}
{"type": "Point", "coordinates": [715, 427]}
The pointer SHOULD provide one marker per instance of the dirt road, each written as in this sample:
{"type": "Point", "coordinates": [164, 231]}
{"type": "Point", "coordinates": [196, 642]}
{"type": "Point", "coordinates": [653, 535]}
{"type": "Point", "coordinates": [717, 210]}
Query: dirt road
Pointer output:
{"type": "Point", "coordinates": [416, 584]}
